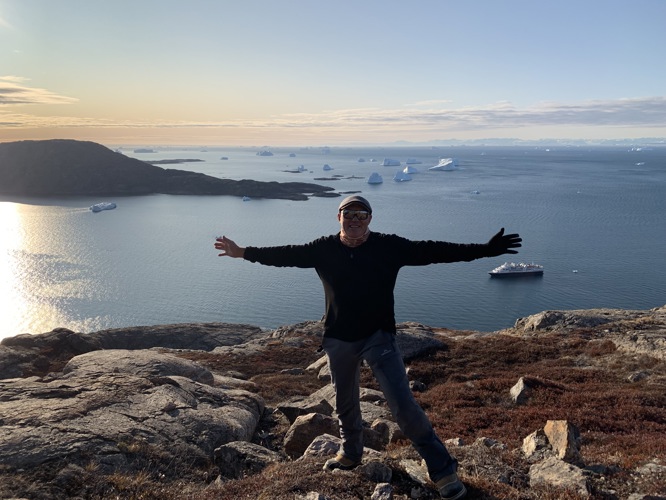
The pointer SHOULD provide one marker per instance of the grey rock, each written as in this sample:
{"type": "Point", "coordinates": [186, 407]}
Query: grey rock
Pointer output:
{"type": "Point", "coordinates": [25, 355]}
{"type": "Point", "coordinates": [535, 443]}
{"type": "Point", "coordinates": [239, 458]}
{"type": "Point", "coordinates": [559, 474]}
{"type": "Point", "coordinates": [321, 401]}
{"type": "Point", "coordinates": [415, 339]}
{"type": "Point", "coordinates": [312, 495]}
{"type": "Point", "coordinates": [388, 431]}
{"type": "Point", "coordinates": [376, 471]}
{"type": "Point", "coordinates": [324, 445]}
{"type": "Point", "coordinates": [318, 365]}
{"type": "Point", "coordinates": [140, 363]}
{"type": "Point", "coordinates": [383, 491]}
{"type": "Point", "coordinates": [305, 429]}
{"type": "Point", "coordinates": [99, 414]}
{"type": "Point", "coordinates": [416, 470]}
{"type": "Point", "coordinates": [520, 392]}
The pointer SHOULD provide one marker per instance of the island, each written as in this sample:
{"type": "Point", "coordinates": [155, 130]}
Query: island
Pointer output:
{"type": "Point", "coordinates": [63, 167]}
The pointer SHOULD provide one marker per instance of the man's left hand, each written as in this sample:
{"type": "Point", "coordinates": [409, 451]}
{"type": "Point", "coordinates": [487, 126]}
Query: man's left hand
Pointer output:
{"type": "Point", "coordinates": [503, 243]}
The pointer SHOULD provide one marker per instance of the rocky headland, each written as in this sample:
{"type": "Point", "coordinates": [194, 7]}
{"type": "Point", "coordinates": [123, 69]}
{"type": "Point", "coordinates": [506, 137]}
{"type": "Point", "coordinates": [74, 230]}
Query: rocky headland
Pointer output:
{"type": "Point", "coordinates": [564, 405]}
{"type": "Point", "coordinates": [62, 167]}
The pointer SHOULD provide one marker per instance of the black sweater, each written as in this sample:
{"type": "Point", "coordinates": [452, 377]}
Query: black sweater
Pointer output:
{"type": "Point", "coordinates": [359, 282]}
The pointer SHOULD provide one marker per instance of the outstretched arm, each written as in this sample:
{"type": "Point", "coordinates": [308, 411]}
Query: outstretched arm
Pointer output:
{"type": "Point", "coordinates": [503, 243]}
{"type": "Point", "coordinates": [228, 248]}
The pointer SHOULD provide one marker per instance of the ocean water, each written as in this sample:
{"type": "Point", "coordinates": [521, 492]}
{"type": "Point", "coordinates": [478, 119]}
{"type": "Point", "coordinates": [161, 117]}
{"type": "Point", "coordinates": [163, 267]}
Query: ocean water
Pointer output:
{"type": "Point", "coordinates": [593, 217]}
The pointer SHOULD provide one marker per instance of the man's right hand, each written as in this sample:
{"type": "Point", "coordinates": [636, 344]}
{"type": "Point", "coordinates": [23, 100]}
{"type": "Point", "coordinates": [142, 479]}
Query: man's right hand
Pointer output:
{"type": "Point", "coordinates": [228, 247]}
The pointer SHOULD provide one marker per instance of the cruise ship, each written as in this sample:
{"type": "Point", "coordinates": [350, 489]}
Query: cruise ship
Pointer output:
{"type": "Point", "coordinates": [519, 269]}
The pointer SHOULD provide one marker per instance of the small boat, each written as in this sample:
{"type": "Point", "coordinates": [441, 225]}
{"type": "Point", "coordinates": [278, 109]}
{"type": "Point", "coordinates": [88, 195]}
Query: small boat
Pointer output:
{"type": "Point", "coordinates": [375, 178]}
{"type": "Point", "coordinates": [98, 207]}
{"type": "Point", "coordinates": [445, 164]}
{"type": "Point", "coordinates": [519, 269]}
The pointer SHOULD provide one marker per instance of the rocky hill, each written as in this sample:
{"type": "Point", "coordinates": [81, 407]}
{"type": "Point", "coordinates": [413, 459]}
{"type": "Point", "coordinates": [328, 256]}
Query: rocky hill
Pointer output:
{"type": "Point", "coordinates": [564, 405]}
{"type": "Point", "coordinates": [68, 168]}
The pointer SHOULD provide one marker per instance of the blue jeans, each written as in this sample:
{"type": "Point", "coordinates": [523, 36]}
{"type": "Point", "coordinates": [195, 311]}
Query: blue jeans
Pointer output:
{"type": "Point", "coordinates": [383, 356]}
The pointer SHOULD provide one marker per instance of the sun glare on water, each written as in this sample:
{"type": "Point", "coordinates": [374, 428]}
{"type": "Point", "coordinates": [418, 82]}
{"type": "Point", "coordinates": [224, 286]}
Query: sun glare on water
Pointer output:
{"type": "Point", "coordinates": [24, 305]}
{"type": "Point", "coordinates": [12, 302]}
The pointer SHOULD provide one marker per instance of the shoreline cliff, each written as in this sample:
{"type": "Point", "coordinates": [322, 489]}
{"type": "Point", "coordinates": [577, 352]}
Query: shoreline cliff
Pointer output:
{"type": "Point", "coordinates": [565, 404]}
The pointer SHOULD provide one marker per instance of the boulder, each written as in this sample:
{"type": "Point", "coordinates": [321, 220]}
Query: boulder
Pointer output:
{"type": "Point", "coordinates": [521, 392]}
{"type": "Point", "coordinates": [140, 363]}
{"type": "Point", "coordinates": [559, 474]}
{"type": "Point", "coordinates": [305, 429]}
{"type": "Point", "coordinates": [564, 438]}
{"type": "Point", "coordinates": [321, 401]}
{"type": "Point", "coordinates": [109, 405]}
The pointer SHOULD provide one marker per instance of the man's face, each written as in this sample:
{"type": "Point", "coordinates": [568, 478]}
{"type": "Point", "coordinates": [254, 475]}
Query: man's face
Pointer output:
{"type": "Point", "coordinates": [354, 227]}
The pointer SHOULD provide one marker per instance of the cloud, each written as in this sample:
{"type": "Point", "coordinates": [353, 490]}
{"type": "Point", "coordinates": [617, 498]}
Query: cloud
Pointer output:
{"type": "Point", "coordinates": [13, 92]}
{"type": "Point", "coordinates": [647, 112]}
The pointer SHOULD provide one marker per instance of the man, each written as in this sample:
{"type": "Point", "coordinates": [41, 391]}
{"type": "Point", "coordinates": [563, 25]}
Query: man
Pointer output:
{"type": "Point", "coordinates": [358, 269]}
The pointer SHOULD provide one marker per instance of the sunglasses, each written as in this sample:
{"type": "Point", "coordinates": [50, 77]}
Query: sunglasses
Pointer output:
{"type": "Point", "coordinates": [359, 214]}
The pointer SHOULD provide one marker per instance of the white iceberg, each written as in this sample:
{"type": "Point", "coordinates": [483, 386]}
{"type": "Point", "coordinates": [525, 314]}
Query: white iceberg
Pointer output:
{"type": "Point", "coordinates": [410, 170]}
{"type": "Point", "coordinates": [445, 164]}
{"type": "Point", "coordinates": [328, 167]}
{"type": "Point", "coordinates": [375, 178]}
{"type": "Point", "coordinates": [388, 162]}
{"type": "Point", "coordinates": [401, 176]}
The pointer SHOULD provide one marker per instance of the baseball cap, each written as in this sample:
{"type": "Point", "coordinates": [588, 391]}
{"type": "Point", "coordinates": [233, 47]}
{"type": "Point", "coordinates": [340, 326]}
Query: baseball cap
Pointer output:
{"type": "Point", "coordinates": [350, 200]}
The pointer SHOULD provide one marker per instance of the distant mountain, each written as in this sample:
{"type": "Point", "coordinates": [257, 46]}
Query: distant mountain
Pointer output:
{"type": "Point", "coordinates": [68, 168]}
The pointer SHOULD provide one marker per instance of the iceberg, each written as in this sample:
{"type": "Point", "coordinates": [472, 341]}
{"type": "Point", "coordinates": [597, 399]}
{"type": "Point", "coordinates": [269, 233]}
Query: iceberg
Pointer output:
{"type": "Point", "coordinates": [413, 161]}
{"type": "Point", "coordinates": [410, 170]}
{"type": "Point", "coordinates": [388, 162]}
{"type": "Point", "coordinates": [445, 164]}
{"type": "Point", "coordinates": [401, 176]}
{"type": "Point", "coordinates": [328, 167]}
{"type": "Point", "coordinates": [375, 178]}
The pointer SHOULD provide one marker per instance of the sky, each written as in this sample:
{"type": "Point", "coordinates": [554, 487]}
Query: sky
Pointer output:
{"type": "Point", "coordinates": [343, 72]}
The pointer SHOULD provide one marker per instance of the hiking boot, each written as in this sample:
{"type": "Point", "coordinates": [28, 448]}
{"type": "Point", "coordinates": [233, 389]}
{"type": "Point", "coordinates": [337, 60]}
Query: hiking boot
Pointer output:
{"type": "Point", "coordinates": [451, 488]}
{"type": "Point", "coordinates": [341, 462]}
